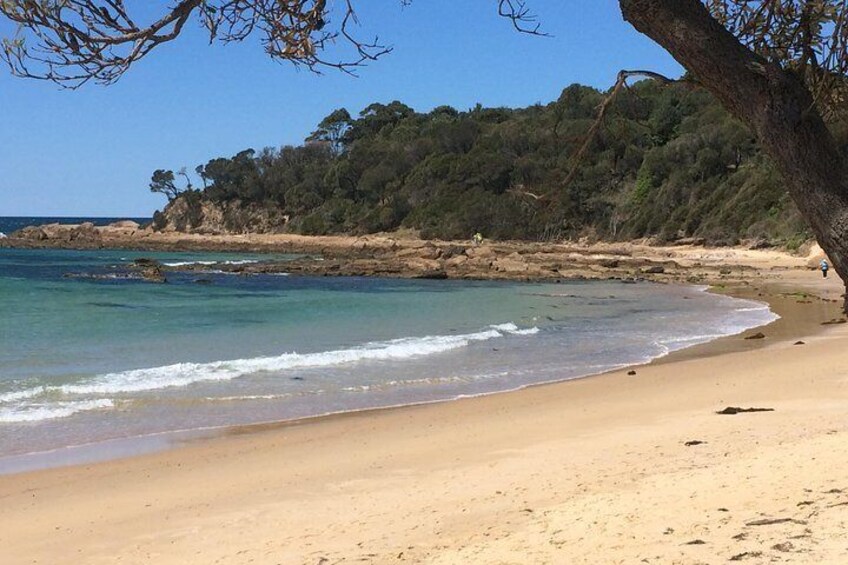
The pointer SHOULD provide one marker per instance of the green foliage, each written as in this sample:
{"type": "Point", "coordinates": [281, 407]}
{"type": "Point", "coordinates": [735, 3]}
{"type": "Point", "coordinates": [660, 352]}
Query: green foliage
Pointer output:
{"type": "Point", "coordinates": [668, 162]}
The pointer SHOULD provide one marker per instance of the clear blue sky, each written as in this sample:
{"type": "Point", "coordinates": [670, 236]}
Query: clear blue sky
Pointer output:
{"type": "Point", "coordinates": [90, 152]}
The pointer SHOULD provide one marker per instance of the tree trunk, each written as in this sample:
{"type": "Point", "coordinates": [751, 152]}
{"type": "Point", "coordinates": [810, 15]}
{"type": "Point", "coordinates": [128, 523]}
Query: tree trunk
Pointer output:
{"type": "Point", "coordinates": [772, 101]}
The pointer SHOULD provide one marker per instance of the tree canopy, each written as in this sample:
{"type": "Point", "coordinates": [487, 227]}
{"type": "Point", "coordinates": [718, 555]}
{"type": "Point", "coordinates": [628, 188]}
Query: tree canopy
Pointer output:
{"type": "Point", "coordinates": [667, 162]}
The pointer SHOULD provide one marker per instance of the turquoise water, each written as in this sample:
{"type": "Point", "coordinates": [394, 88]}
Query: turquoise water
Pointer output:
{"type": "Point", "coordinates": [86, 360]}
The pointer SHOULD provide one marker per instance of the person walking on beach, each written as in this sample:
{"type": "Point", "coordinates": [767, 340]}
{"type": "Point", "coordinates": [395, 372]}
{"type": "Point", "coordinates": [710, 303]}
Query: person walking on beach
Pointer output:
{"type": "Point", "coordinates": [824, 267]}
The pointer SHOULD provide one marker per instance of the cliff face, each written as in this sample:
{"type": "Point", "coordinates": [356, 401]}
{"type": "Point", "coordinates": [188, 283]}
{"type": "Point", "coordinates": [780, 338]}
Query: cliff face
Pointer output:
{"type": "Point", "coordinates": [191, 213]}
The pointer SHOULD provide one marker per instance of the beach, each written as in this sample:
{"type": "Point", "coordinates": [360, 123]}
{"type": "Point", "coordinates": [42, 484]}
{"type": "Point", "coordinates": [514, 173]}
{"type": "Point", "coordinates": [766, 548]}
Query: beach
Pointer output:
{"type": "Point", "coordinates": [596, 470]}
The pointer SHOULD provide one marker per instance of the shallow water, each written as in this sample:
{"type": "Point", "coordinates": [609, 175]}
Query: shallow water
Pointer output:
{"type": "Point", "coordinates": [92, 360]}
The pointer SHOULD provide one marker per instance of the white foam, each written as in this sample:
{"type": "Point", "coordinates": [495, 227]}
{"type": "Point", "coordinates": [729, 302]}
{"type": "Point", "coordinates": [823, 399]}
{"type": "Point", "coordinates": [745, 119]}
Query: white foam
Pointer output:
{"type": "Point", "coordinates": [511, 328]}
{"type": "Point", "coordinates": [19, 395]}
{"type": "Point", "coordinates": [184, 374]}
{"type": "Point", "coordinates": [207, 263]}
{"type": "Point", "coordinates": [39, 412]}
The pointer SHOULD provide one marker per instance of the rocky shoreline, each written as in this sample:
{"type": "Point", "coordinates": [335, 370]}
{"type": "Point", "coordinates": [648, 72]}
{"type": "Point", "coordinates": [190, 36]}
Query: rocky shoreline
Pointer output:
{"type": "Point", "coordinates": [406, 256]}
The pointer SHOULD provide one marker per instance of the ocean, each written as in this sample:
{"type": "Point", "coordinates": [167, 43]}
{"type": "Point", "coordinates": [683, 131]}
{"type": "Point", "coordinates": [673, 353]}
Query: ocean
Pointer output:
{"type": "Point", "coordinates": [86, 361]}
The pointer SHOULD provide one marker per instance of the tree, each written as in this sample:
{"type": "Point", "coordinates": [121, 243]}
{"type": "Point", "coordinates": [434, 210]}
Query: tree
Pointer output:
{"type": "Point", "coordinates": [164, 182]}
{"type": "Point", "coordinates": [332, 130]}
{"type": "Point", "coordinates": [779, 66]}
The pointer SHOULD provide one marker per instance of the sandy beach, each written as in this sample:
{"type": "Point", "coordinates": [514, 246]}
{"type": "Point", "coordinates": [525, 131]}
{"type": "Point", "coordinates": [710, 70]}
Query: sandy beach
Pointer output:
{"type": "Point", "coordinates": [617, 468]}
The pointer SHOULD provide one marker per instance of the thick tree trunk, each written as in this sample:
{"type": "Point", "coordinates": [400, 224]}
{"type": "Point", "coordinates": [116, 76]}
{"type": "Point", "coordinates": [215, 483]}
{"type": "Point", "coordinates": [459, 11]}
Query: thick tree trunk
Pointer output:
{"type": "Point", "coordinates": [772, 101]}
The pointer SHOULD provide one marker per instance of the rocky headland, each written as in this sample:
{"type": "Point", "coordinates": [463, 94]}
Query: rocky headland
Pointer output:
{"type": "Point", "coordinates": [405, 255]}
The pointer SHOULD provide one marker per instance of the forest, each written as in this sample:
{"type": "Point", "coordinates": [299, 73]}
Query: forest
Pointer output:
{"type": "Point", "coordinates": [667, 162]}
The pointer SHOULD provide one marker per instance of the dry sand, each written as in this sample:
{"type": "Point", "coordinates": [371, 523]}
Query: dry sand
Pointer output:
{"type": "Point", "coordinates": [588, 471]}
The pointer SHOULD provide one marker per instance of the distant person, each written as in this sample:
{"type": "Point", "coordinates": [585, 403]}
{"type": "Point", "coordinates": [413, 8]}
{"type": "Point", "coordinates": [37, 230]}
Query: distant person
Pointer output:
{"type": "Point", "coordinates": [477, 239]}
{"type": "Point", "coordinates": [824, 267]}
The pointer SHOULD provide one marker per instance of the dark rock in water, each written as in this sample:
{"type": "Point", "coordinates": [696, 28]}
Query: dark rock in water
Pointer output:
{"type": "Point", "coordinates": [694, 442]}
{"type": "Point", "coordinates": [434, 275]}
{"type": "Point", "coordinates": [149, 270]}
{"type": "Point", "coordinates": [654, 270]}
{"type": "Point", "coordinates": [202, 281]}
{"type": "Point", "coordinates": [731, 410]}
{"type": "Point", "coordinates": [758, 335]}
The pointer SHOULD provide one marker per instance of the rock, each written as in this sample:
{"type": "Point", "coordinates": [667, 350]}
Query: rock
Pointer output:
{"type": "Point", "coordinates": [733, 410]}
{"type": "Point", "coordinates": [834, 321]}
{"type": "Point", "coordinates": [429, 252]}
{"type": "Point", "coordinates": [453, 251]}
{"type": "Point", "coordinates": [631, 373]}
{"type": "Point", "coordinates": [694, 442]}
{"type": "Point", "coordinates": [125, 224]}
{"type": "Point", "coordinates": [512, 263]}
{"type": "Point", "coordinates": [149, 269]}
{"type": "Point", "coordinates": [799, 343]}
{"type": "Point", "coordinates": [760, 243]}
{"type": "Point", "coordinates": [33, 233]}
{"type": "Point", "coordinates": [609, 263]}
{"type": "Point", "coordinates": [699, 241]}
{"type": "Point", "coordinates": [654, 270]}
{"type": "Point", "coordinates": [758, 335]}
{"type": "Point", "coordinates": [480, 252]}
{"type": "Point", "coordinates": [456, 261]}
{"type": "Point", "coordinates": [436, 274]}
{"type": "Point", "coordinates": [84, 232]}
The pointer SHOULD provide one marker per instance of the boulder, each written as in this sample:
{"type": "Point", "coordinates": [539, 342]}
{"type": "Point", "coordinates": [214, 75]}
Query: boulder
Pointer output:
{"type": "Point", "coordinates": [84, 232]}
{"type": "Point", "coordinates": [609, 263]}
{"type": "Point", "coordinates": [33, 233]}
{"type": "Point", "coordinates": [654, 270]}
{"type": "Point", "coordinates": [510, 264]}
{"type": "Point", "coordinates": [149, 269]}
{"type": "Point", "coordinates": [456, 261]}
{"type": "Point", "coordinates": [480, 252]}
{"type": "Point", "coordinates": [125, 224]}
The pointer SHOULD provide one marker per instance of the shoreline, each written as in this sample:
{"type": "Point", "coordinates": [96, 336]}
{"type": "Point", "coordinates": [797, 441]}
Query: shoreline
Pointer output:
{"type": "Point", "coordinates": [804, 322]}
{"type": "Point", "coordinates": [405, 255]}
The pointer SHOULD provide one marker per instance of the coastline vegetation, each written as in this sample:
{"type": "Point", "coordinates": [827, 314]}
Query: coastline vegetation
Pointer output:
{"type": "Point", "coordinates": [668, 162]}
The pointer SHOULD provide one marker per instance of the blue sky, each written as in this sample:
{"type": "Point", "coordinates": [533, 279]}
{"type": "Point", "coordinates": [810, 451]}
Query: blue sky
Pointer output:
{"type": "Point", "coordinates": [91, 152]}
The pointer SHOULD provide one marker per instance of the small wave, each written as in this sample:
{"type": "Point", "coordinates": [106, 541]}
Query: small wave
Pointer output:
{"type": "Point", "coordinates": [207, 263]}
{"type": "Point", "coordinates": [511, 328]}
{"type": "Point", "coordinates": [52, 411]}
{"type": "Point", "coordinates": [184, 374]}
{"type": "Point", "coordinates": [19, 395]}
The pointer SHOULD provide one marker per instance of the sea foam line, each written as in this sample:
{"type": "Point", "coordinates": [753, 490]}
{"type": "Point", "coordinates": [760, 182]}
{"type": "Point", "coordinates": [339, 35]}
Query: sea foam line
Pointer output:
{"type": "Point", "coordinates": [207, 263]}
{"type": "Point", "coordinates": [51, 411]}
{"type": "Point", "coordinates": [184, 374]}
